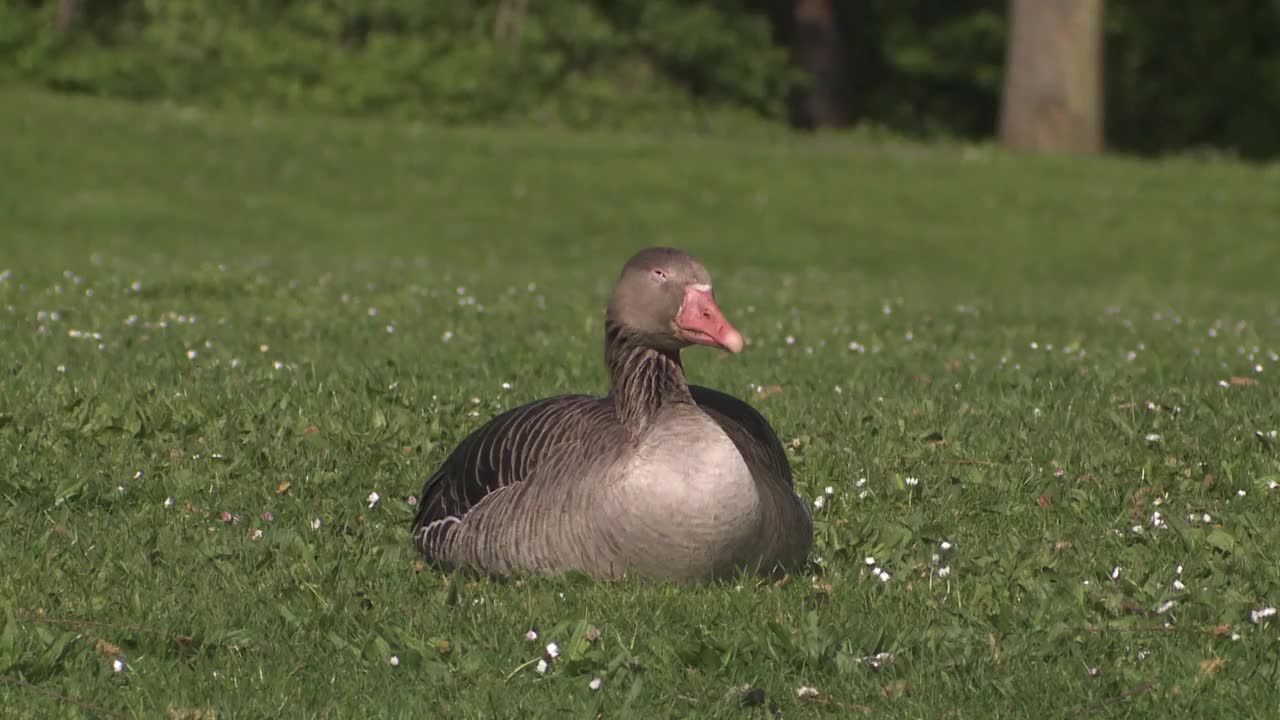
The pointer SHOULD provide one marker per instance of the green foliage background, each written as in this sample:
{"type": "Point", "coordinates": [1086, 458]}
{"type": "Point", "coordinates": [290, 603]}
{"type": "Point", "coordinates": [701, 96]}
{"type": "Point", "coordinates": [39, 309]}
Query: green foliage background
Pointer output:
{"type": "Point", "coordinates": [1176, 80]}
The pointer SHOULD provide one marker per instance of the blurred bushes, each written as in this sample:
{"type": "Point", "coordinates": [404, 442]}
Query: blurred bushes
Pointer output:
{"type": "Point", "coordinates": [1175, 79]}
{"type": "Point", "coordinates": [1194, 77]}
{"type": "Point", "coordinates": [573, 61]}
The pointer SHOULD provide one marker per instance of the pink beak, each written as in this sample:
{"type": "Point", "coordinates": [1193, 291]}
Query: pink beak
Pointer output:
{"type": "Point", "coordinates": [701, 322]}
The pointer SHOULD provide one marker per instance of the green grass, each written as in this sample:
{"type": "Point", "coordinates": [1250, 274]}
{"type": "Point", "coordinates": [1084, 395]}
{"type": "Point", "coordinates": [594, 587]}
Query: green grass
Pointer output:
{"type": "Point", "coordinates": [273, 295]}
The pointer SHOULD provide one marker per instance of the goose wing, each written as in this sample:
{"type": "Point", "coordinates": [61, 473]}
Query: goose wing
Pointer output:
{"type": "Point", "coordinates": [503, 452]}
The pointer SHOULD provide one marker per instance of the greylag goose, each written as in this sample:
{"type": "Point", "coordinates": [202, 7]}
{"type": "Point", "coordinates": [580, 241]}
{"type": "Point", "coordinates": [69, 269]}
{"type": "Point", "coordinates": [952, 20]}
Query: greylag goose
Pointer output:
{"type": "Point", "coordinates": [658, 478]}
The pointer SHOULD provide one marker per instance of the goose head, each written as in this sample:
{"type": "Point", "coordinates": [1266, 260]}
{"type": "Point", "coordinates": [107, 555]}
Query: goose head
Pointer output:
{"type": "Point", "coordinates": [664, 300]}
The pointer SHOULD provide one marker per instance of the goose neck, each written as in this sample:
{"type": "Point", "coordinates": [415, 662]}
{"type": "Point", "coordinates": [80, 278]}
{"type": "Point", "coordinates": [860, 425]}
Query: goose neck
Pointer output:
{"type": "Point", "coordinates": [642, 379]}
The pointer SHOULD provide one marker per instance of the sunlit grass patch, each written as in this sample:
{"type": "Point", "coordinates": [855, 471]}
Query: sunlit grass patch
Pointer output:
{"type": "Point", "coordinates": [1031, 403]}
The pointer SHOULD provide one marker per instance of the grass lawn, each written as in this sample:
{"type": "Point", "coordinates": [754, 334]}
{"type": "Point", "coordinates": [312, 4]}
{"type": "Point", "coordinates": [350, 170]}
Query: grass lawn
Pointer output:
{"type": "Point", "coordinates": [220, 333]}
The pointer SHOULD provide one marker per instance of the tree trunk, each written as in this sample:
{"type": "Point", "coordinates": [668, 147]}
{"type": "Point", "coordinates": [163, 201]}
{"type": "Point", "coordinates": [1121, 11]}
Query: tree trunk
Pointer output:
{"type": "Point", "coordinates": [818, 48]}
{"type": "Point", "coordinates": [510, 23]}
{"type": "Point", "coordinates": [1052, 99]}
{"type": "Point", "coordinates": [65, 15]}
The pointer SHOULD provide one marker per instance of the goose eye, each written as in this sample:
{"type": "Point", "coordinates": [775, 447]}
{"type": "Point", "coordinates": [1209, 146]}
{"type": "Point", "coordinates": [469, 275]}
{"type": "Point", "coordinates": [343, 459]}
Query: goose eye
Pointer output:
{"type": "Point", "coordinates": [659, 275]}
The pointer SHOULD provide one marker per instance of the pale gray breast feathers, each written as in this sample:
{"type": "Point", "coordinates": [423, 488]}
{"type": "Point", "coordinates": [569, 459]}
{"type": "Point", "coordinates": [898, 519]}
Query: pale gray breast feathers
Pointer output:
{"type": "Point", "coordinates": [749, 431]}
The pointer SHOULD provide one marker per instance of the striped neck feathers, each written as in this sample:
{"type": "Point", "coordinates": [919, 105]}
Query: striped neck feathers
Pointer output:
{"type": "Point", "coordinates": [642, 379]}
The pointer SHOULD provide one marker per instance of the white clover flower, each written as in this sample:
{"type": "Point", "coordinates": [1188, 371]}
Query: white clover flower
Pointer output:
{"type": "Point", "coordinates": [1166, 606]}
{"type": "Point", "coordinates": [805, 692]}
{"type": "Point", "coordinates": [531, 635]}
{"type": "Point", "coordinates": [1179, 586]}
{"type": "Point", "coordinates": [595, 683]}
{"type": "Point", "coordinates": [315, 524]}
{"type": "Point", "coordinates": [869, 560]}
{"type": "Point", "coordinates": [373, 499]}
{"type": "Point", "coordinates": [542, 667]}
{"type": "Point", "coordinates": [1153, 437]}
{"type": "Point", "coordinates": [168, 503]}
{"type": "Point", "coordinates": [394, 660]}
{"type": "Point", "coordinates": [944, 571]}
{"type": "Point", "coordinates": [819, 501]}
{"type": "Point", "coordinates": [884, 576]}
{"type": "Point", "coordinates": [553, 650]}
{"type": "Point", "coordinates": [1261, 614]}
{"type": "Point", "coordinates": [878, 660]}
{"type": "Point", "coordinates": [945, 545]}
{"type": "Point", "coordinates": [912, 482]}
{"type": "Point", "coordinates": [1115, 572]}
{"type": "Point", "coordinates": [829, 490]}
{"type": "Point", "coordinates": [118, 665]}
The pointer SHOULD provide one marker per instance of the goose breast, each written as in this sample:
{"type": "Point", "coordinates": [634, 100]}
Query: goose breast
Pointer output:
{"type": "Point", "coordinates": [684, 502]}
